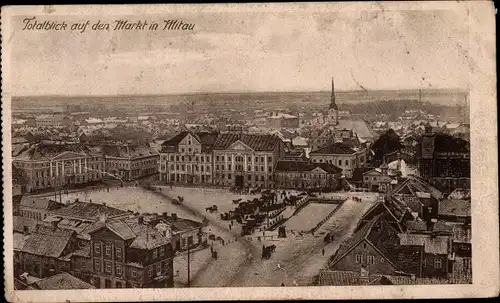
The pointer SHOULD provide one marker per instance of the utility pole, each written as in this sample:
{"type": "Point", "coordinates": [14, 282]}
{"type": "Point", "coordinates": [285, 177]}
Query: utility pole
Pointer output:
{"type": "Point", "coordinates": [189, 267]}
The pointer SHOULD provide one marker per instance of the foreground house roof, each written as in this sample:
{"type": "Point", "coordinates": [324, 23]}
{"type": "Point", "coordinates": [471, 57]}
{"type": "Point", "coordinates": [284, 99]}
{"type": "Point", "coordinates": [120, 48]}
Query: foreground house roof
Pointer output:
{"type": "Point", "coordinates": [62, 280]}
{"type": "Point", "coordinates": [335, 149]}
{"type": "Point", "coordinates": [88, 211]}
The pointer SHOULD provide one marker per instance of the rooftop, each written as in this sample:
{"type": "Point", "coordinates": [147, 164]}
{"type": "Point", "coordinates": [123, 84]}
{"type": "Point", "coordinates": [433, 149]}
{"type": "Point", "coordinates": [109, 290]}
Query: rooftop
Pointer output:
{"type": "Point", "coordinates": [87, 211]}
{"type": "Point", "coordinates": [454, 207]}
{"type": "Point", "coordinates": [335, 149]}
{"type": "Point", "coordinates": [62, 280]}
{"type": "Point", "coordinates": [257, 142]}
{"type": "Point", "coordinates": [305, 166]}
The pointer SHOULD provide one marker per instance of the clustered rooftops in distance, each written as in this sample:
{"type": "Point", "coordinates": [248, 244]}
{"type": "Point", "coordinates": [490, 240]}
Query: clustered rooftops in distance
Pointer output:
{"type": "Point", "coordinates": [336, 148]}
{"type": "Point", "coordinates": [88, 211]}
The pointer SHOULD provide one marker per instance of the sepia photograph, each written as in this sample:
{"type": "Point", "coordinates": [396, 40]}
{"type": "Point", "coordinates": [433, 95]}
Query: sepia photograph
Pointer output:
{"type": "Point", "coordinates": [247, 146]}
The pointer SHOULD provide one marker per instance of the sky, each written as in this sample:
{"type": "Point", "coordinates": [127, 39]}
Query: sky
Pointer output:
{"type": "Point", "coordinates": [245, 52]}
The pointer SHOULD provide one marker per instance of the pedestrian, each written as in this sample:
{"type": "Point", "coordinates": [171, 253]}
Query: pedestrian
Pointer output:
{"type": "Point", "coordinates": [323, 251]}
{"type": "Point", "coordinates": [229, 226]}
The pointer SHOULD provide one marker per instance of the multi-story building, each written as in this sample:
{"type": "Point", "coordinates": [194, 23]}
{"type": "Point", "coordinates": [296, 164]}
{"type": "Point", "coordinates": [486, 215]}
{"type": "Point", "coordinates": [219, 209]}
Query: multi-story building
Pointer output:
{"type": "Point", "coordinates": [444, 160]}
{"type": "Point", "coordinates": [36, 208]}
{"type": "Point", "coordinates": [52, 121]}
{"type": "Point", "coordinates": [187, 158]}
{"type": "Point", "coordinates": [305, 174]}
{"type": "Point", "coordinates": [128, 162]}
{"type": "Point", "coordinates": [345, 156]}
{"type": "Point", "coordinates": [130, 253]}
{"type": "Point", "coordinates": [246, 160]}
{"type": "Point", "coordinates": [58, 164]}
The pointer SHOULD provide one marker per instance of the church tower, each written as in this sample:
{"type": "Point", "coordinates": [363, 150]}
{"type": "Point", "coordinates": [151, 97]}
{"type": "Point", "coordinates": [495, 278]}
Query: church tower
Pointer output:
{"type": "Point", "coordinates": [333, 110]}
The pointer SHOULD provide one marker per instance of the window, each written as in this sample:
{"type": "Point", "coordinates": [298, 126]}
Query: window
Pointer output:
{"type": "Point", "coordinates": [370, 259]}
{"type": "Point", "coordinates": [182, 158]}
{"type": "Point", "coordinates": [269, 159]}
{"type": "Point", "coordinates": [249, 178]}
{"type": "Point", "coordinates": [256, 168]}
{"type": "Point", "coordinates": [261, 178]}
{"type": "Point", "coordinates": [84, 263]}
{"type": "Point", "coordinates": [229, 176]}
{"type": "Point", "coordinates": [134, 272]}
{"type": "Point", "coordinates": [172, 158]}
{"type": "Point", "coordinates": [340, 162]}
{"type": "Point", "coordinates": [229, 167]}
{"type": "Point", "coordinates": [262, 168]}
{"type": "Point", "coordinates": [262, 159]}
{"type": "Point", "coordinates": [217, 157]}
{"type": "Point", "coordinates": [155, 253]}
{"type": "Point", "coordinates": [118, 270]}
{"type": "Point", "coordinates": [229, 158]}
{"type": "Point", "coordinates": [162, 251]}
{"type": "Point", "coordinates": [177, 157]}
{"type": "Point", "coordinates": [150, 271]}
{"type": "Point", "coordinates": [249, 159]}
{"type": "Point", "coordinates": [217, 167]}
{"type": "Point", "coordinates": [189, 149]}
{"type": "Point", "coordinates": [270, 169]}
{"type": "Point", "coordinates": [97, 248]}
{"type": "Point", "coordinates": [118, 252]}
{"type": "Point", "coordinates": [108, 267]}
{"type": "Point", "coordinates": [97, 265]}
{"type": "Point", "coordinates": [158, 269]}
{"type": "Point", "coordinates": [346, 162]}
{"type": "Point", "coordinates": [359, 259]}
{"type": "Point", "coordinates": [108, 250]}
{"type": "Point", "coordinates": [182, 150]}
{"type": "Point", "coordinates": [256, 159]}
{"type": "Point", "coordinates": [438, 263]}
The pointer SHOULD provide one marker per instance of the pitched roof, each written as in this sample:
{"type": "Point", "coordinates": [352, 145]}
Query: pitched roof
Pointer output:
{"type": "Point", "coordinates": [360, 127]}
{"type": "Point", "coordinates": [47, 150]}
{"type": "Point", "coordinates": [335, 149]}
{"type": "Point", "coordinates": [130, 151]}
{"type": "Point", "coordinates": [34, 202]}
{"type": "Point", "coordinates": [257, 142]}
{"type": "Point", "coordinates": [207, 140]}
{"type": "Point", "coordinates": [454, 207]}
{"type": "Point", "coordinates": [62, 280]}
{"type": "Point", "coordinates": [87, 211]}
{"type": "Point", "coordinates": [19, 223]}
{"type": "Point", "coordinates": [305, 166]}
{"type": "Point", "coordinates": [379, 234]}
{"type": "Point", "coordinates": [439, 226]}
{"type": "Point", "coordinates": [414, 184]}
{"type": "Point", "coordinates": [47, 242]}
{"type": "Point", "coordinates": [116, 226]}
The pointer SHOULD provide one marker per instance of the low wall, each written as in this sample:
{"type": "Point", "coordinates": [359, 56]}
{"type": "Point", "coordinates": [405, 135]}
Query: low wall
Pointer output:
{"type": "Point", "coordinates": [314, 229]}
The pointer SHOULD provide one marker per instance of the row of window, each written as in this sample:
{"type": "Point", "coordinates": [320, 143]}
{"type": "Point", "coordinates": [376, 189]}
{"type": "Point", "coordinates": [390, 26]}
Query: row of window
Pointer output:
{"type": "Point", "coordinates": [108, 251]}
{"type": "Point", "coordinates": [338, 163]}
{"type": "Point", "coordinates": [239, 167]}
{"type": "Point", "coordinates": [182, 167]}
{"type": "Point", "coordinates": [249, 177]}
{"type": "Point", "coordinates": [240, 158]}
{"type": "Point", "coordinates": [189, 158]}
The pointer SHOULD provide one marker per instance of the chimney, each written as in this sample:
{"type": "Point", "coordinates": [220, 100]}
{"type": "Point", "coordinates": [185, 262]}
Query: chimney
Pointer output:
{"type": "Point", "coordinates": [174, 217]}
{"type": "Point", "coordinates": [103, 217]}
{"type": "Point", "coordinates": [165, 215]}
{"type": "Point", "coordinates": [140, 219]}
{"type": "Point", "coordinates": [104, 204]}
{"type": "Point", "coordinates": [364, 275]}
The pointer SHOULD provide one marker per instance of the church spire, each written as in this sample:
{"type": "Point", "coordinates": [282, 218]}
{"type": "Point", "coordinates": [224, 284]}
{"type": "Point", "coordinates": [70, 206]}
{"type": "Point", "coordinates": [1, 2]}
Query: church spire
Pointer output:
{"type": "Point", "coordinates": [333, 105]}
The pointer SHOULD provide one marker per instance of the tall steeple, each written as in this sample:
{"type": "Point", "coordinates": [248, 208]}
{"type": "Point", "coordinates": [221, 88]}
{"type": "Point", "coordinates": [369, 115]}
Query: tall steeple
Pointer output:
{"type": "Point", "coordinates": [333, 105]}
